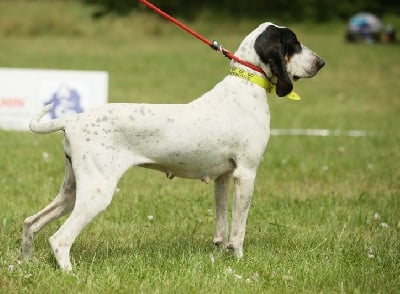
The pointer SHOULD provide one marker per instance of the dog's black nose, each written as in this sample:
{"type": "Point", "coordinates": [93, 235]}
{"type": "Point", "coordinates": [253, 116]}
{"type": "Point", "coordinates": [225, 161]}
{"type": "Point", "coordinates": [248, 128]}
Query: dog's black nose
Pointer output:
{"type": "Point", "coordinates": [320, 63]}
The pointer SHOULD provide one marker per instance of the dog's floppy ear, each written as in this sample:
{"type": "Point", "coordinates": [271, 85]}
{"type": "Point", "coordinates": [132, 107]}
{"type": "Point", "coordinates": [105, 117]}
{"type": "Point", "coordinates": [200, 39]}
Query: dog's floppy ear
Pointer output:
{"type": "Point", "coordinates": [270, 49]}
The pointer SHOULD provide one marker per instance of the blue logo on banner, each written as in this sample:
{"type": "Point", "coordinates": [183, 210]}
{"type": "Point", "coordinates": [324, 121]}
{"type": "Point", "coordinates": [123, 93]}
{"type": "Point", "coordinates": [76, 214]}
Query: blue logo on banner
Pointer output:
{"type": "Point", "coordinates": [65, 101]}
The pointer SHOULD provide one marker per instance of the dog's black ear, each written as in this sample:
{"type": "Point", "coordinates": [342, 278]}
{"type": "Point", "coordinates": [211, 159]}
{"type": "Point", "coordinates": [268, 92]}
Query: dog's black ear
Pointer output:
{"type": "Point", "coordinates": [270, 49]}
{"type": "Point", "coordinates": [278, 68]}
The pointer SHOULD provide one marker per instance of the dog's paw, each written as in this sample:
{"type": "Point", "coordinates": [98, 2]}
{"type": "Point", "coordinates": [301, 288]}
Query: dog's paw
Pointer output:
{"type": "Point", "coordinates": [220, 241]}
{"type": "Point", "coordinates": [237, 250]}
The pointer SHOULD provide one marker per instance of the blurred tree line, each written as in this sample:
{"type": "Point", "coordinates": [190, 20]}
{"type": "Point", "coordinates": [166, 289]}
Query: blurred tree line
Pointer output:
{"type": "Point", "coordinates": [295, 10]}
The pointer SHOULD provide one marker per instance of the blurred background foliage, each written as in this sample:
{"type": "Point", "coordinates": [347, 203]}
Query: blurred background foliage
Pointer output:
{"type": "Point", "coordinates": [294, 10]}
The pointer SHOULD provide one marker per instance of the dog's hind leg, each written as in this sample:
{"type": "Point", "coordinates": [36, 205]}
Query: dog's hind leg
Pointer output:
{"type": "Point", "coordinates": [94, 192]}
{"type": "Point", "coordinates": [62, 204]}
{"type": "Point", "coordinates": [221, 189]}
{"type": "Point", "coordinates": [244, 186]}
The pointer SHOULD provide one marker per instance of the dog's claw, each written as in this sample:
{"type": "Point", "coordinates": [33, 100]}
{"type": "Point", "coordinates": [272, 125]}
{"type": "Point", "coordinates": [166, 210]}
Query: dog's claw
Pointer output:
{"type": "Point", "coordinates": [219, 243]}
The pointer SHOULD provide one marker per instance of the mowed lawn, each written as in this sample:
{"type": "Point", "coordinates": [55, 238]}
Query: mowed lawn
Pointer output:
{"type": "Point", "coordinates": [325, 212]}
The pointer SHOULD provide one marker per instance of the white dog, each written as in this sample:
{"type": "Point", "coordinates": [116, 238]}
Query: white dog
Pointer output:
{"type": "Point", "coordinates": [220, 135]}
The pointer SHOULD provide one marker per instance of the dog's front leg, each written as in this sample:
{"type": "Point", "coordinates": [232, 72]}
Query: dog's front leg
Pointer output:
{"type": "Point", "coordinates": [244, 185]}
{"type": "Point", "coordinates": [221, 189]}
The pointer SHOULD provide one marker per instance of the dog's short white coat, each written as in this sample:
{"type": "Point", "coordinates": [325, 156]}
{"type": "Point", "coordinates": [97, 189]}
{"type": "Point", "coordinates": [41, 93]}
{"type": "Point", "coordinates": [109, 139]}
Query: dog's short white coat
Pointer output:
{"type": "Point", "coordinates": [220, 135]}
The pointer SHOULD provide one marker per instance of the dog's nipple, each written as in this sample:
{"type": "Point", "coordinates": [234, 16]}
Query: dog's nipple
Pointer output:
{"type": "Point", "coordinates": [170, 175]}
{"type": "Point", "coordinates": [206, 179]}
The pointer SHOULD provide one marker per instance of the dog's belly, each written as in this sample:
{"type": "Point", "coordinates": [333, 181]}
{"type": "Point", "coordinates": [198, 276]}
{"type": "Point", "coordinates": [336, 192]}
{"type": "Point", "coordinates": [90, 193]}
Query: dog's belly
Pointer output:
{"type": "Point", "coordinates": [196, 154]}
{"type": "Point", "coordinates": [194, 168]}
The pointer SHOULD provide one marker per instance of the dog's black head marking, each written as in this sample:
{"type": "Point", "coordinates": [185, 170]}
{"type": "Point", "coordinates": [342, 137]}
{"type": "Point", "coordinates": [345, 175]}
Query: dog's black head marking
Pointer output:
{"type": "Point", "coordinates": [275, 46]}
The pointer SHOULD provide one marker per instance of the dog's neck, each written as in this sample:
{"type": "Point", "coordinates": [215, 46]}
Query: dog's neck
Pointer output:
{"type": "Point", "coordinates": [258, 79]}
{"type": "Point", "coordinates": [251, 76]}
{"type": "Point", "coordinates": [246, 52]}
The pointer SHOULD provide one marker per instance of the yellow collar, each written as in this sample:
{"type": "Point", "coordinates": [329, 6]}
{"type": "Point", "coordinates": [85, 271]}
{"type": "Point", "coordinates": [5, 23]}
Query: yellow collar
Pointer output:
{"type": "Point", "coordinates": [260, 81]}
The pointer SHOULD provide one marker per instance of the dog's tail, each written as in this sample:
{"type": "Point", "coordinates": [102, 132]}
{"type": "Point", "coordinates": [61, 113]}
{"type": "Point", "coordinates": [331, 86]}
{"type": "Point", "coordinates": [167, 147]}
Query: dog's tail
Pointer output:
{"type": "Point", "coordinates": [47, 127]}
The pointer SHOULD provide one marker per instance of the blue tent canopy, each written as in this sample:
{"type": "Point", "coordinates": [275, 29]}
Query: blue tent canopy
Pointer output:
{"type": "Point", "coordinates": [365, 22]}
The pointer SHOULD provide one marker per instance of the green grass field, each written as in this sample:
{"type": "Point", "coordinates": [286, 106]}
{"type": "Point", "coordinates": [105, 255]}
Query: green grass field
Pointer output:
{"type": "Point", "coordinates": [325, 213]}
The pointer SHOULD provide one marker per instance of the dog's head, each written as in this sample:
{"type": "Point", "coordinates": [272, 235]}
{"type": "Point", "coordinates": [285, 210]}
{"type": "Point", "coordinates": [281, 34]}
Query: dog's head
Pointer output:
{"type": "Point", "coordinates": [281, 55]}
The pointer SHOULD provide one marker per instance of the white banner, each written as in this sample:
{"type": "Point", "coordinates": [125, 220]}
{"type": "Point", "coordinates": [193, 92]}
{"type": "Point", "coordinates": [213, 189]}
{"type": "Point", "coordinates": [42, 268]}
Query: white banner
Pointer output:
{"type": "Point", "coordinates": [23, 92]}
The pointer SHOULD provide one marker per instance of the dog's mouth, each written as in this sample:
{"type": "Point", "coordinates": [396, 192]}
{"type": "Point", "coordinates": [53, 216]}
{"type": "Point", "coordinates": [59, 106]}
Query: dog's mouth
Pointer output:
{"type": "Point", "coordinates": [309, 73]}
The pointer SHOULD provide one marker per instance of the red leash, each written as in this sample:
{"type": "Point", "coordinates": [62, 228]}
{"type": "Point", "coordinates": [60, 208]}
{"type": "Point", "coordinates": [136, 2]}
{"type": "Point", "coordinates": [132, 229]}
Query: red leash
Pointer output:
{"type": "Point", "coordinates": [214, 44]}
